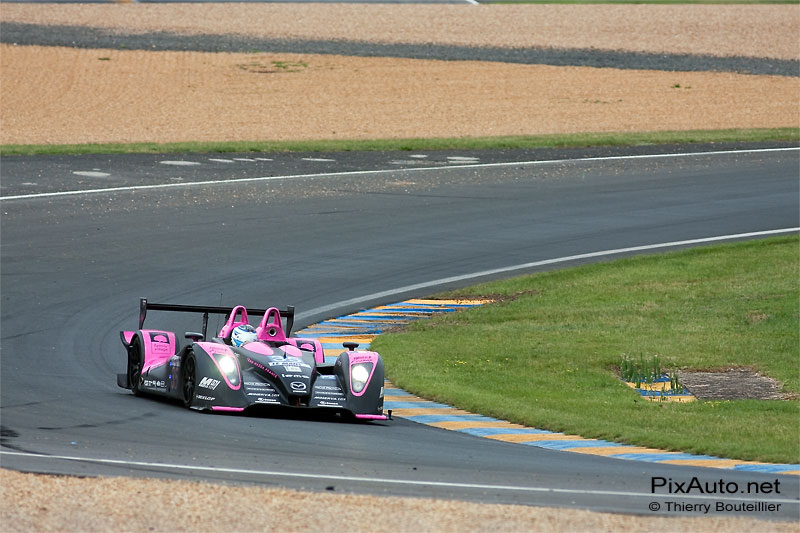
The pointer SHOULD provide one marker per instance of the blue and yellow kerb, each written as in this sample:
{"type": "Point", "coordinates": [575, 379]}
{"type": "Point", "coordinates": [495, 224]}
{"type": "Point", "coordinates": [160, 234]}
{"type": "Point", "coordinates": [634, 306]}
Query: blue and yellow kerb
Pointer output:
{"type": "Point", "coordinates": [364, 326]}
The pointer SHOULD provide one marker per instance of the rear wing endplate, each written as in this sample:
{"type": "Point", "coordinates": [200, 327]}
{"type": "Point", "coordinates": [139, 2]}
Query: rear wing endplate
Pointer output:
{"type": "Point", "coordinates": [144, 305]}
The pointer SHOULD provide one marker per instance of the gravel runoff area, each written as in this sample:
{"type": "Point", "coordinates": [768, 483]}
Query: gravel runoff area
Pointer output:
{"type": "Point", "coordinates": [61, 503]}
{"type": "Point", "coordinates": [57, 95]}
{"type": "Point", "coordinates": [171, 96]}
{"type": "Point", "coordinates": [65, 95]}
{"type": "Point", "coordinates": [732, 30]}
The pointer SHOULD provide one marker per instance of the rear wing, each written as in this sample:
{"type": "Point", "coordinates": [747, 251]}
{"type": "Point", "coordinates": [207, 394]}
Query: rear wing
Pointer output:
{"type": "Point", "coordinates": [144, 305]}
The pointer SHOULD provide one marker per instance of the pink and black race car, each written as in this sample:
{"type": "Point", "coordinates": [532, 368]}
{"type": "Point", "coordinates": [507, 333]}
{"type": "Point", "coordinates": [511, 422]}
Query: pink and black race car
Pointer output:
{"type": "Point", "coordinates": [246, 366]}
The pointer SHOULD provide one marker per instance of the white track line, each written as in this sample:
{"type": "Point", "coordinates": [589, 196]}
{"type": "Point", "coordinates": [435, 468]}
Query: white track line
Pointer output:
{"type": "Point", "coordinates": [478, 486]}
{"type": "Point", "coordinates": [181, 163]}
{"type": "Point", "coordinates": [91, 173]}
{"type": "Point", "coordinates": [378, 172]}
{"type": "Point", "coordinates": [524, 266]}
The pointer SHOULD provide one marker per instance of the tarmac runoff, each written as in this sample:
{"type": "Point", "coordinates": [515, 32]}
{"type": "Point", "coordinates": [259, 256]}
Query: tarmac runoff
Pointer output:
{"type": "Point", "coordinates": [362, 327]}
{"type": "Point", "coordinates": [104, 38]}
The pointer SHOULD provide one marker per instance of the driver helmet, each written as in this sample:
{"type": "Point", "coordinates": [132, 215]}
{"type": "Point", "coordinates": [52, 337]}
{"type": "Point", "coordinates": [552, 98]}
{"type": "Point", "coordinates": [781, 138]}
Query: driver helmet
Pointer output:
{"type": "Point", "coordinates": [243, 334]}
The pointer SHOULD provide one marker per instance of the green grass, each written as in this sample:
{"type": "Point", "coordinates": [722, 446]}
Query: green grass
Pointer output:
{"type": "Point", "coordinates": [547, 355]}
{"type": "Point", "coordinates": [462, 143]}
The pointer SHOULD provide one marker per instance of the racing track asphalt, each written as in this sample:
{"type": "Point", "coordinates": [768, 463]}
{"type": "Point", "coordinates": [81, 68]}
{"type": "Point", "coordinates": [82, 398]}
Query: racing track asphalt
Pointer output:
{"type": "Point", "coordinates": [73, 268]}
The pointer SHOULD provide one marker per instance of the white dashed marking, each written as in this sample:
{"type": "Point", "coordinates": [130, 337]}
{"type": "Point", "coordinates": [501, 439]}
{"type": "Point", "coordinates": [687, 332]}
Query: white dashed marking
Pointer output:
{"type": "Point", "coordinates": [412, 162]}
{"type": "Point", "coordinates": [91, 173]}
{"type": "Point", "coordinates": [319, 159]}
{"type": "Point", "coordinates": [180, 163]}
{"type": "Point", "coordinates": [328, 175]}
{"type": "Point", "coordinates": [263, 159]}
{"type": "Point", "coordinates": [418, 156]}
{"type": "Point", "coordinates": [221, 160]}
{"type": "Point", "coordinates": [247, 159]}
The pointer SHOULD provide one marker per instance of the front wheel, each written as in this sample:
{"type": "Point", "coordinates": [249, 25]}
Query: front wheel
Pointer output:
{"type": "Point", "coordinates": [189, 379]}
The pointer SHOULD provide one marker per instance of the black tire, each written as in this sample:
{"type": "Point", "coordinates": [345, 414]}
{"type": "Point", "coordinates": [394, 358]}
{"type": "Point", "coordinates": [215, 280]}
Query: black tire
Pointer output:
{"type": "Point", "coordinates": [135, 365]}
{"type": "Point", "coordinates": [189, 372]}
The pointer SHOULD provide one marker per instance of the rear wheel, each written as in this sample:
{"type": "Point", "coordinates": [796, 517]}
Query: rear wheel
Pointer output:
{"type": "Point", "coordinates": [189, 379]}
{"type": "Point", "coordinates": [135, 364]}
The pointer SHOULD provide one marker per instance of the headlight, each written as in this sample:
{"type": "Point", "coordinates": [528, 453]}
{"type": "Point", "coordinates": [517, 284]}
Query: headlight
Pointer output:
{"type": "Point", "coordinates": [228, 365]}
{"type": "Point", "coordinates": [359, 374]}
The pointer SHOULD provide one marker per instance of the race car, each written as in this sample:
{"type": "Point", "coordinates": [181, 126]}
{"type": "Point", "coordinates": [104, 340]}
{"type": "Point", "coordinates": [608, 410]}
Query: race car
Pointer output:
{"type": "Point", "coordinates": [245, 367]}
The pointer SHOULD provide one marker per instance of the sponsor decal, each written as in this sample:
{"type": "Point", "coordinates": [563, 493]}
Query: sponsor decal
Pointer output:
{"type": "Point", "coordinates": [217, 349]}
{"type": "Point", "coordinates": [208, 383]}
{"type": "Point", "coordinates": [264, 394]}
{"type": "Point", "coordinates": [324, 398]}
{"type": "Point", "coordinates": [298, 386]}
{"type": "Point", "coordinates": [292, 368]}
{"type": "Point", "coordinates": [262, 367]}
{"type": "Point", "coordinates": [206, 398]}
{"type": "Point", "coordinates": [159, 343]}
{"type": "Point", "coordinates": [256, 364]}
{"type": "Point", "coordinates": [159, 384]}
{"type": "Point", "coordinates": [258, 385]}
{"type": "Point", "coordinates": [325, 376]}
{"type": "Point", "coordinates": [291, 364]}
{"type": "Point", "coordinates": [265, 400]}
{"type": "Point", "coordinates": [329, 404]}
